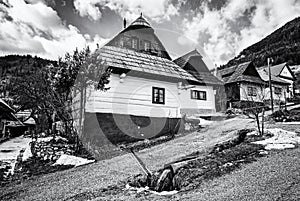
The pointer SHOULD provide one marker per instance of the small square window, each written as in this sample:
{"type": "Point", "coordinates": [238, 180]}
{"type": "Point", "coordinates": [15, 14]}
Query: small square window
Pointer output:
{"type": "Point", "coordinates": [252, 91]}
{"type": "Point", "coordinates": [277, 90]}
{"type": "Point", "coordinates": [158, 95]}
{"type": "Point", "coordinates": [198, 95]}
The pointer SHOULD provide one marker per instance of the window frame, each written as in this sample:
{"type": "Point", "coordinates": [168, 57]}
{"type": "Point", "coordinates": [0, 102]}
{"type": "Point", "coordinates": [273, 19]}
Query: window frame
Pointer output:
{"type": "Point", "coordinates": [198, 97]}
{"type": "Point", "coordinates": [277, 89]}
{"type": "Point", "coordinates": [251, 91]}
{"type": "Point", "coordinates": [144, 46]}
{"type": "Point", "coordinates": [137, 43]}
{"type": "Point", "coordinates": [154, 101]}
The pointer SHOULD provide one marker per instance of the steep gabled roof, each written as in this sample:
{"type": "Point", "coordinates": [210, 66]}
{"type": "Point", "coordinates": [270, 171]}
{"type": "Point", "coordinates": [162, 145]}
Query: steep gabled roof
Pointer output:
{"type": "Point", "coordinates": [265, 77]}
{"type": "Point", "coordinates": [140, 21]}
{"type": "Point", "coordinates": [277, 69]}
{"type": "Point", "coordinates": [181, 61]}
{"type": "Point", "coordinates": [141, 26]}
{"type": "Point", "coordinates": [239, 73]}
{"type": "Point", "coordinates": [139, 62]}
{"type": "Point", "coordinates": [200, 72]}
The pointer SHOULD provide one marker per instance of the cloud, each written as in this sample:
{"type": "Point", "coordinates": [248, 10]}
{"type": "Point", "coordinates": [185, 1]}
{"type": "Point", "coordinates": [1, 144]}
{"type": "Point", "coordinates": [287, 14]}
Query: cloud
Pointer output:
{"type": "Point", "coordinates": [237, 25]}
{"type": "Point", "coordinates": [157, 10]}
{"type": "Point", "coordinates": [35, 28]}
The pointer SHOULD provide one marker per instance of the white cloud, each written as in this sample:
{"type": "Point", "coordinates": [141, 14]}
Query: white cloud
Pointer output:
{"type": "Point", "coordinates": [226, 37]}
{"type": "Point", "coordinates": [88, 8]}
{"type": "Point", "coordinates": [37, 29]}
{"type": "Point", "coordinates": [157, 10]}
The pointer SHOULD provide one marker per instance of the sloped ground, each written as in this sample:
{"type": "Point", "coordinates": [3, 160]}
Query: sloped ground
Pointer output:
{"type": "Point", "coordinates": [274, 177]}
{"type": "Point", "coordinates": [66, 184]}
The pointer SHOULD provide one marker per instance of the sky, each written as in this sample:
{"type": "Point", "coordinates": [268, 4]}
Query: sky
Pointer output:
{"type": "Point", "coordinates": [219, 29]}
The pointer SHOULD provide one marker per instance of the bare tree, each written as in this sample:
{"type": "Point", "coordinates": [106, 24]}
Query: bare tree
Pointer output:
{"type": "Point", "coordinates": [255, 105]}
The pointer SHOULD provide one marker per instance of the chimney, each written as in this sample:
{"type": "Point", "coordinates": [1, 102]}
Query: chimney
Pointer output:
{"type": "Point", "coordinates": [124, 23]}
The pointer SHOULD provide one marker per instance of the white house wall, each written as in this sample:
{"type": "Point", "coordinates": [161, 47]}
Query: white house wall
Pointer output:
{"type": "Point", "coordinates": [280, 97]}
{"type": "Point", "coordinates": [193, 106]}
{"type": "Point", "coordinates": [134, 96]}
{"type": "Point", "coordinates": [286, 73]}
{"type": "Point", "coordinates": [244, 92]}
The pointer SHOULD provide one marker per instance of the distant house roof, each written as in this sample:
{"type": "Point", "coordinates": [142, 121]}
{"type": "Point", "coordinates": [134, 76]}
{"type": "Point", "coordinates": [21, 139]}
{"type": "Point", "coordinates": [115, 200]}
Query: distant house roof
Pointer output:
{"type": "Point", "coordinates": [5, 107]}
{"type": "Point", "coordinates": [197, 68]}
{"type": "Point", "coordinates": [265, 77]}
{"type": "Point", "coordinates": [277, 69]}
{"type": "Point", "coordinates": [123, 58]}
{"type": "Point", "coordinates": [6, 111]}
{"type": "Point", "coordinates": [245, 72]}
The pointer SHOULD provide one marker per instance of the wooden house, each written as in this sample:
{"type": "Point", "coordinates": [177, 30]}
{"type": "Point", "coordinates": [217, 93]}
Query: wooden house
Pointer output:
{"type": "Point", "coordinates": [6, 117]}
{"type": "Point", "coordinates": [200, 98]}
{"type": "Point", "coordinates": [242, 84]}
{"type": "Point", "coordinates": [284, 72]}
{"type": "Point", "coordinates": [146, 89]}
{"type": "Point", "coordinates": [279, 86]}
{"type": "Point", "coordinates": [296, 71]}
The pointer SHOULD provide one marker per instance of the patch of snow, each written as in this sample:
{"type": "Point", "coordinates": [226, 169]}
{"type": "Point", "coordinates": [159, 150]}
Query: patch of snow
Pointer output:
{"type": "Point", "coordinates": [282, 139]}
{"type": "Point", "coordinates": [279, 146]}
{"type": "Point", "coordinates": [204, 122]}
{"type": "Point", "coordinates": [290, 123]}
{"type": "Point", "coordinates": [47, 139]}
{"type": "Point", "coordinates": [146, 189]}
{"type": "Point", "coordinates": [65, 159]}
{"type": "Point", "coordinates": [27, 153]}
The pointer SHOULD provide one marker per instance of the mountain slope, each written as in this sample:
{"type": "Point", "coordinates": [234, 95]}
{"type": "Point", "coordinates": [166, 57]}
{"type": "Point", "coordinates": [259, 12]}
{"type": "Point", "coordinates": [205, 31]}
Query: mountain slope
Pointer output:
{"type": "Point", "coordinates": [283, 45]}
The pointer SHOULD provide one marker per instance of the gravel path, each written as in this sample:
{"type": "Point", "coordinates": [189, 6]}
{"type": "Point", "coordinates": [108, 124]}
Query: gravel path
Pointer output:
{"type": "Point", "coordinates": [65, 184]}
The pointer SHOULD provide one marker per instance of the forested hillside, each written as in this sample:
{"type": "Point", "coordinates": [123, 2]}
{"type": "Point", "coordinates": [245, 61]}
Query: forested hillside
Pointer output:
{"type": "Point", "coordinates": [283, 45]}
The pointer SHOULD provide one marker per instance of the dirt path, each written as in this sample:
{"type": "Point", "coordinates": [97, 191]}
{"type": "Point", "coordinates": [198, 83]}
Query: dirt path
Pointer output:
{"type": "Point", "coordinates": [65, 184]}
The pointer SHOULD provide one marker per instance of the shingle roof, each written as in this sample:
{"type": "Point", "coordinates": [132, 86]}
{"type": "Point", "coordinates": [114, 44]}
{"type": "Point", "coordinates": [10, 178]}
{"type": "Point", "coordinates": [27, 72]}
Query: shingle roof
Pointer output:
{"type": "Point", "coordinates": [203, 76]}
{"type": "Point", "coordinates": [181, 61]}
{"type": "Point", "coordinates": [206, 78]}
{"type": "Point", "coordinates": [236, 74]}
{"type": "Point", "coordinates": [131, 60]}
{"type": "Point", "coordinates": [140, 21]}
{"type": "Point", "coordinates": [265, 77]}
{"type": "Point", "coordinates": [276, 69]}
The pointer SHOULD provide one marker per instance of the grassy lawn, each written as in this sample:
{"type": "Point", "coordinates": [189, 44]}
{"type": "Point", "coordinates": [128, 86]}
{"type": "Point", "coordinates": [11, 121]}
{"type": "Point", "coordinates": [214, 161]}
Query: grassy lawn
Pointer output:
{"type": "Point", "coordinates": [275, 176]}
{"type": "Point", "coordinates": [96, 177]}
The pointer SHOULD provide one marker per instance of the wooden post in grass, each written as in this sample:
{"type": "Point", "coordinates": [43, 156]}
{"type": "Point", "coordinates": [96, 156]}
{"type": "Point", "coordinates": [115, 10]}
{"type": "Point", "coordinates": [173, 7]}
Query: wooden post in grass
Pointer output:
{"type": "Point", "coordinates": [141, 164]}
{"type": "Point", "coordinates": [270, 85]}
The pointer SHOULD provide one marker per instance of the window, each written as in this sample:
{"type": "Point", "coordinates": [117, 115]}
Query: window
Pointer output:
{"type": "Point", "coordinates": [147, 45]}
{"type": "Point", "coordinates": [252, 91]}
{"type": "Point", "coordinates": [199, 95]}
{"type": "Point", "coordinates": [122, 42]}
{"type": "Point", "coordinates": [277, 90]}
{"type": "Point", "coordinates": [134, 43]}
{"type": "Point", "coordinates": [158, 95]}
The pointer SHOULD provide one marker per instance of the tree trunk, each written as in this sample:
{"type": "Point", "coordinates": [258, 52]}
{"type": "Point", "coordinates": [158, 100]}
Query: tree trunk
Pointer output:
{"type": "Point", "coordinates": [262, 121]}
{"type": "Point", "coordinates": [257, 121]}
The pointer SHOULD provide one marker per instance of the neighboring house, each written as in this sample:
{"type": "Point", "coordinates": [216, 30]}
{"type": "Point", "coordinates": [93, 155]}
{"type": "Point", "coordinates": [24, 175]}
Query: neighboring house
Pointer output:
{"type": "Point", "coordinates": [296, 71]}
{"type": "Point", "coordinates": [284, 72]}
{"type": "Point", "coordinates": [200, 98]}
{"type": "Point", "coordinates": [6, 117]}
{"type": "Point", "coordinates": [145, 95]}
{"type": "Point", "coordinates": [279, 86]}
{"type": "Point", "coordinates": [242, 84]}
